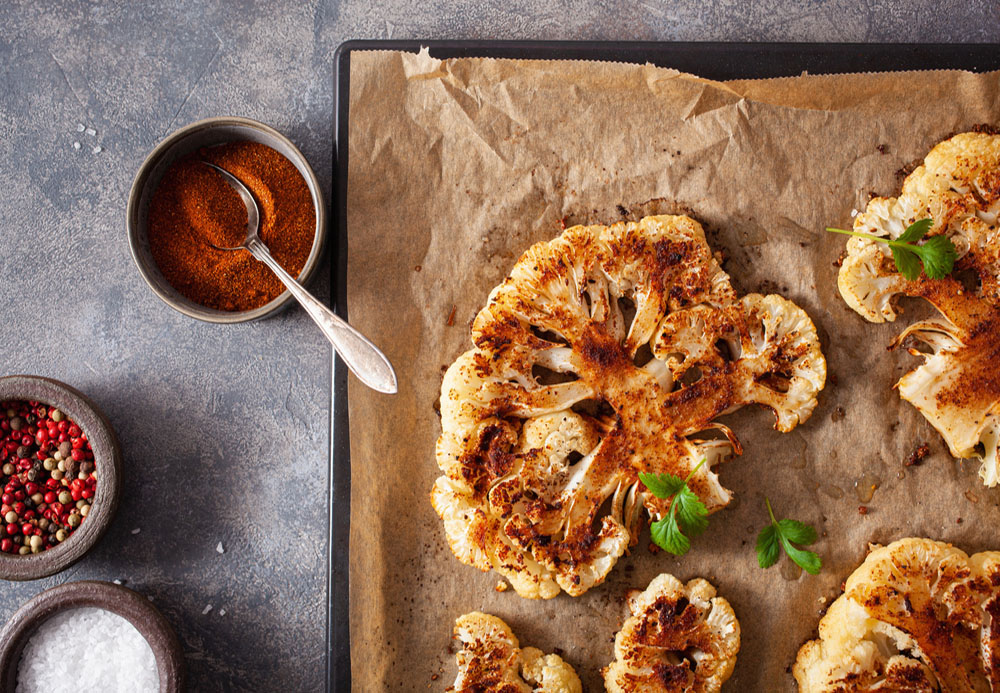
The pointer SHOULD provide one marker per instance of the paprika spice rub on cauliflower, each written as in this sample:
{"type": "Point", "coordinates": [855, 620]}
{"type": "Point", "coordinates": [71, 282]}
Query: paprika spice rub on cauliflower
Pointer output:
{"type": "Point", "coordinates": [567, 396]}
{"type": "Point", "coordinates": [492, 661]}
{"type": "Point", "coordinates": [679, 638]}
{"type": "Point", "coordinates": [957, 387]}
{"type": "Point", "coordinates": [917, 615]}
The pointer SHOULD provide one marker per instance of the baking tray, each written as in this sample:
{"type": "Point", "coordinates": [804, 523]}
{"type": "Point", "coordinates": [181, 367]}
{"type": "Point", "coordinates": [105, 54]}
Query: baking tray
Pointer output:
{"type": "Point", "coordinates": [718, 61]}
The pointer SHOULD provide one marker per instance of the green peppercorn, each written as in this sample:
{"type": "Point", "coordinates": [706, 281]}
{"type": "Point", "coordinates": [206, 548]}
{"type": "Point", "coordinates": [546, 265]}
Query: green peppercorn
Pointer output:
{"type": "Point", "coordinates": [24, 550]}
{"type": "Point", "coordinates": [50, 463]}
{"type": "Point", "coordinates": [16, 423]}
{"type": "Point", "coordinates": [57, 415]}
{"type": "Point", "coordinates": [74, 520]}
{"type": "Point", "coordinates": [85, 510]}
{"type": "Point", "coordinates": [61, 466]}
{"type": "Point", "coordinates": [10, 517]}
{"type": "Point", "coordinates": [65, 497]}
{"type": "Point", "coordinates": [57, 475]}
{"type": "Point", "coordinates": [11, 413]}
{"type": "Point", "coordinates": [32, 474]}
{"type": "Point", "coordinates": [37, 498]}
{"type": "Point", "coordinates": [8, 469]}
{"type": "Point", "coordinates": [80, 503]}
{"type": "Point", "coordinates": [61, 535]}
{"type": "Point", "coordinates": [43, 523]}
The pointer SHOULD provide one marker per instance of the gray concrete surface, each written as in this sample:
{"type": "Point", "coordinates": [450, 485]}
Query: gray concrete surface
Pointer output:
{"type": "Point", "coordinates": [225, 428]}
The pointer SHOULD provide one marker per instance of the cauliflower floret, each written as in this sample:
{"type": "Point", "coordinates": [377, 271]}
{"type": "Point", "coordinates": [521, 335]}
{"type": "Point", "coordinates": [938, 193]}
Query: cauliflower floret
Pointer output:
{"type": "Point", "coordinates": [608, 351]}
{"type": "Point", "coordinates": [955, 388]}
{"type": "Point", "coordinates": [491, 661]}
{"type": "Point", "coordinates": [678, 638]}
{"type": "Point", "coordinates": [917, 615]}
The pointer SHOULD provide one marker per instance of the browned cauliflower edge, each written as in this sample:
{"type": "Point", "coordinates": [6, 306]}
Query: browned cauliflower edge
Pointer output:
{"type": "Point", "coordinates": [917, 615]}
{"type": "Point", "coordinates": [956, 387]}
{"type": "Point", "coordinates": [678, 638]}
{"type": "Point", "coordinates": [608, 351]}
{"type": "Point", "coordinates": [492, 661]}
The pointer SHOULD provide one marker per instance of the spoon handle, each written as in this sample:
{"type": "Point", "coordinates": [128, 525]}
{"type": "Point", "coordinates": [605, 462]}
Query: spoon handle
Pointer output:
{"type": "Point", "coordinates": [361, 356]}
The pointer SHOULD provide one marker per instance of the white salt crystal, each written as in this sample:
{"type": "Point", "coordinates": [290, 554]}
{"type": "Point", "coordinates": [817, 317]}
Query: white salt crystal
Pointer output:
{"type": "Point", "coordinates": [97, 150]}
{"type": "Point", "coordinates": [219, 548]}
{"type": "Point", "coordinates": [854, 213]}
{"type": "Point", "coordinates": [95, 649]}
{"type": "Point", "coordinates": [91, 131]}
{"type": "Point", "coordinates": [117, 581]}
{"type": "Point", "coordinates": [76, 145]}
{"type": "Point", "coordinates": [80, 127]}
{"type": "Point", "coordinates": [222, 612]}
{"type": "Point", "coordinates": [208, 607]}
{"type": "Point", "coordinates": [136, 530]}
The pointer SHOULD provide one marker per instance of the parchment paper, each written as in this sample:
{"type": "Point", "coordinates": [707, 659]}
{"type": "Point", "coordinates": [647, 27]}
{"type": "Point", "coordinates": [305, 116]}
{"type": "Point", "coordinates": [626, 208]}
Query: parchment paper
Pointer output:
{"type": "Point", "coordinates": [457, 167]}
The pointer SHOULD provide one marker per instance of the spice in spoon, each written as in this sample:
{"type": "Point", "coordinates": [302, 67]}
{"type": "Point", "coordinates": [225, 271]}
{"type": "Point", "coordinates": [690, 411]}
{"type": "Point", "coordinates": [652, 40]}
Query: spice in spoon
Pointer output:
{"type": "Point", "coordinates": [193, 213]}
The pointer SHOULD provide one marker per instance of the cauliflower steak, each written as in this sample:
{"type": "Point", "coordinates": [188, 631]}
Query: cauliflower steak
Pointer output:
{"type": "Point", "coordinates": [917, 615]}
{"type": "Point", "coordinates": [956, 387]}
{"type": "Point", "coordinates": [679, 638]}
{"type": "Point", "coordinates": [608, 351]}
{"type": "Point", "coordinates": [491, 661]}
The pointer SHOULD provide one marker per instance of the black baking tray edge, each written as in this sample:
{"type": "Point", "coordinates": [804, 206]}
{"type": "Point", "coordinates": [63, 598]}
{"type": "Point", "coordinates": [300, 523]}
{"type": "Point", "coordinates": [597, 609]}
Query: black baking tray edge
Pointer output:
{"type": "Point", "coordinates": [713, 60]}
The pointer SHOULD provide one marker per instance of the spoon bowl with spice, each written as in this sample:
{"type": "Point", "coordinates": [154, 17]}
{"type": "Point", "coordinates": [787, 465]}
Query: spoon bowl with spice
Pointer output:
{"type": "Point", "coordinates": [362, 357]}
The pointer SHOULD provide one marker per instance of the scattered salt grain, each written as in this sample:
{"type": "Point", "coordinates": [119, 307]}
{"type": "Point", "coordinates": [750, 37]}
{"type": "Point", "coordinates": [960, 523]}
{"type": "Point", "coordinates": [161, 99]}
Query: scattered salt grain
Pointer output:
{"type": "Point", "coordinates": [91, 131]}
{"type": "Point", "coordinates": [80, 127]}
{"type": "Point", "coordinates": [94, 648]}
{"type": "Point", "coordinates": [854, 213]}
{"type": "Point", "coordinates": [136, 530]}
{"type": "Point", "coordinates": [117, 581]}
{"type": "Point", "coordinates": [208, 607]}
{"type": "Point", "coordinates": [219, 548]}
{"type": "Point", "coordinates": [76, 145]}
{"type": "Point", "coordinates": [98, 149]}
{"type": "Point", "coordinates": [222, 612]}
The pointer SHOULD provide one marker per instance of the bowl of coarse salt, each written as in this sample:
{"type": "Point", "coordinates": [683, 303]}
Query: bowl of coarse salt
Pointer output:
{"type": "Point", "coordinates": [90, 636]}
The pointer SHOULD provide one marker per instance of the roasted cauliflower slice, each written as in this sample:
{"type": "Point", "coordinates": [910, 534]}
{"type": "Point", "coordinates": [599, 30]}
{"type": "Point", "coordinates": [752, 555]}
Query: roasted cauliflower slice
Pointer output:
{"type": "Point", "coordinates": [491, 661]}
{"type": "Point", "coordinates": [956, 387]}
{"type": "Point", "coordinates": [608, 351]}
{"type": "Point", "coordinates": [678, 638]}
{"type": "Point", "coordinates": [917, 615]}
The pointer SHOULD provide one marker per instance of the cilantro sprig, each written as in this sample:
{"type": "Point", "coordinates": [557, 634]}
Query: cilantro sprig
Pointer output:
{"type": "Point", "coordinates": [785, 534]}
{"type": "Point", "coordinates": [686, 513]}
{"type": "Point", "coordinates": [937, 255]}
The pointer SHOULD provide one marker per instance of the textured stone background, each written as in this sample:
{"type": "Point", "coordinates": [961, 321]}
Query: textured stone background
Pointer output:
{"type": "Point", "coordinates": [225, 428]}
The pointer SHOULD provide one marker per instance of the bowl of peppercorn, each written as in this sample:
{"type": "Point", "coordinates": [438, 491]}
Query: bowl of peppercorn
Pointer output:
{"type": "Point", "coordinates": [60, 476]}
{"type": "Point", "coordinates": [183, 219]}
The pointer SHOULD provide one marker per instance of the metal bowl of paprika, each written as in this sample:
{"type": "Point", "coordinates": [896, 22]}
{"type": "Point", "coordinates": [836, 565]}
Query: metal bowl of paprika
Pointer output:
{"type": "Point", "coordinates": [98, 438]}
{"type": "Point", "coordinates": [177, 205]}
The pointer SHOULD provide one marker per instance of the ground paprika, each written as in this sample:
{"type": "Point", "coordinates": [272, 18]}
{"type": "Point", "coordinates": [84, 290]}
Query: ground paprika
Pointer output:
{"type": "Point", "coordinates": [194, 212]}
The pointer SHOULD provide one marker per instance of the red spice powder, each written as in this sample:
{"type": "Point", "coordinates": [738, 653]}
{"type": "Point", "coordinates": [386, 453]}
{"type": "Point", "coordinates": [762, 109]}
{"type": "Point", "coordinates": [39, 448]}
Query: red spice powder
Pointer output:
{"type": "Point", "coordinates": [194, 212]}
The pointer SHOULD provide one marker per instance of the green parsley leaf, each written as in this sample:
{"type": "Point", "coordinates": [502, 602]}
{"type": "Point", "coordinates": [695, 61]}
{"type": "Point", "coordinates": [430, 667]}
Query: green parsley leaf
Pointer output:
{"type": "Point", "coordinates": [691, 511]}
{"type": "Point", "coordinates": [937, 255]}
{"type": "Point", "coordinates": [662, 485]}
{"type": "Point", "coordinates": [768, 549]}
{"type": "Point", "coordinates": [686, 512]}
{"type": "Point", "coordinates": [787, 533]}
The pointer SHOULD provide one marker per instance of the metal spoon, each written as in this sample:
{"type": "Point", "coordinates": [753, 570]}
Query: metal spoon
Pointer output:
{"type": "Point", "coordinates": [361, 356]}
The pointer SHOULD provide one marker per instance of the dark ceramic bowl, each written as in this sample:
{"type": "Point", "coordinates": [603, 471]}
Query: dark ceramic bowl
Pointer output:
{"type": "Point", "coordinates": [130, 605]}
{"type": "Point", "coordinates": [108, 462]}
{"type": "Point", "coordinates": [206, 133]}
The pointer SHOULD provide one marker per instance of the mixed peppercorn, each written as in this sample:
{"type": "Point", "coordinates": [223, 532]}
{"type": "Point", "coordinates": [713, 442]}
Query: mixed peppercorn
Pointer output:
{"type": "Point", "coordinates": [48, 477]}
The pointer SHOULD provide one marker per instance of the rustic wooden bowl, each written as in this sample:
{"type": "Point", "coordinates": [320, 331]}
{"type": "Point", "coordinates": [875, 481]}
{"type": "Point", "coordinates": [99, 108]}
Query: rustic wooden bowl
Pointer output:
{"type": "Point", "coordinates": [130, 605]}
{"type": "Point", "coordinates": [108, 461]}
